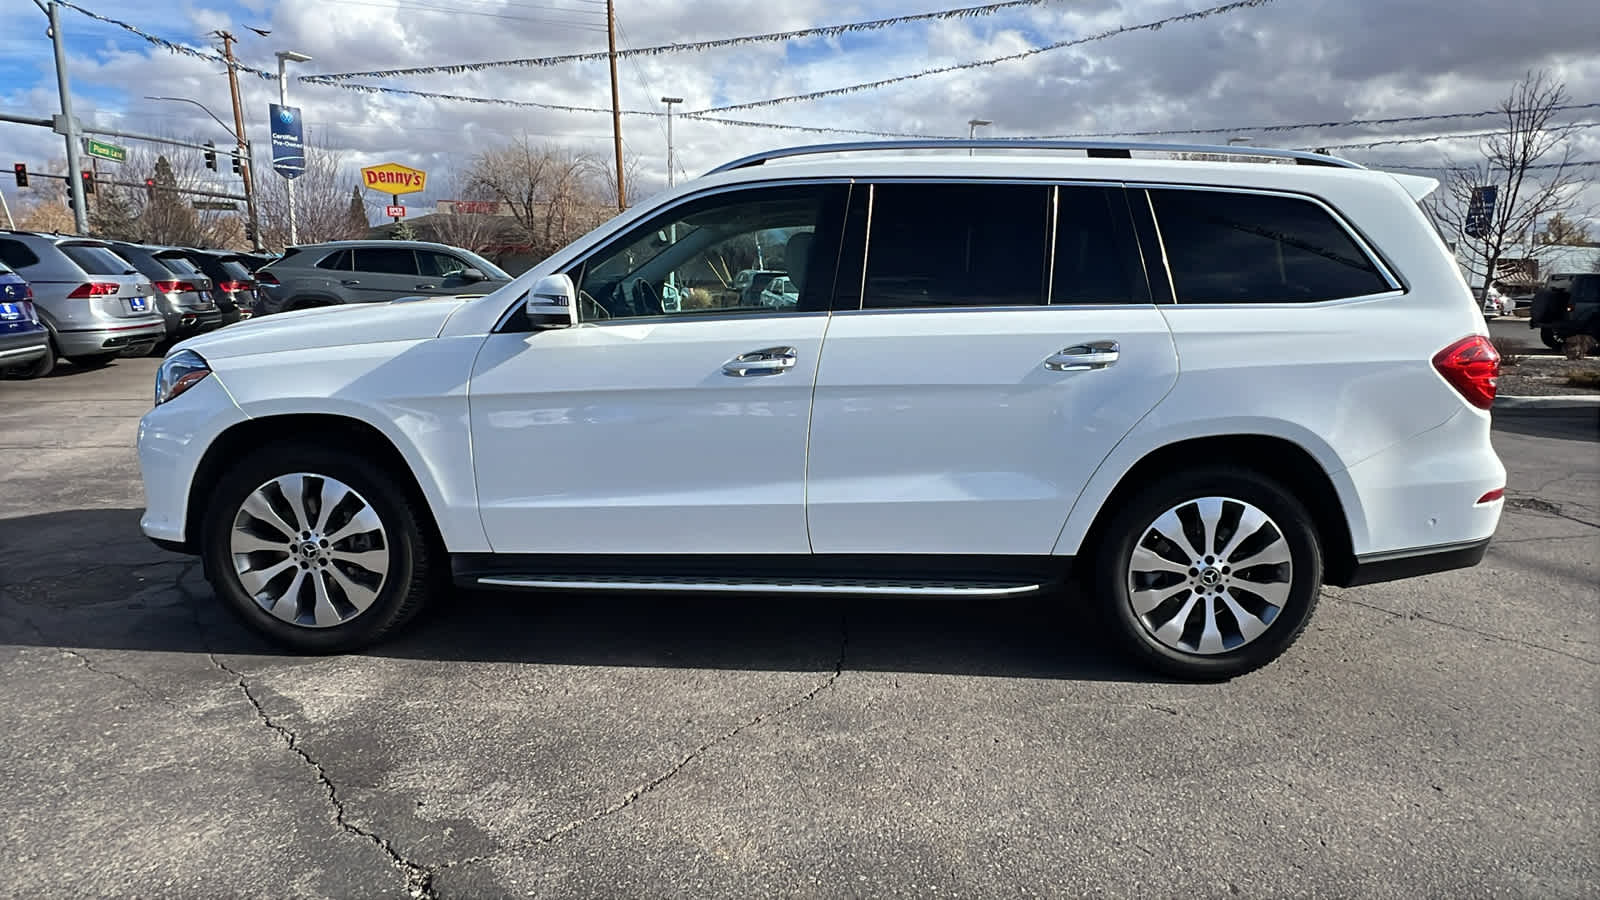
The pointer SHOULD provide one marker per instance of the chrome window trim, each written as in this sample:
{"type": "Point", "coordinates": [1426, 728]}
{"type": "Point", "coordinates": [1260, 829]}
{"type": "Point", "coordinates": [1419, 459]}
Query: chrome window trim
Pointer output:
{"type": "Point", "coordinates": [1365, 246]}
{"type": "Point", "coordinates": [601, 243]}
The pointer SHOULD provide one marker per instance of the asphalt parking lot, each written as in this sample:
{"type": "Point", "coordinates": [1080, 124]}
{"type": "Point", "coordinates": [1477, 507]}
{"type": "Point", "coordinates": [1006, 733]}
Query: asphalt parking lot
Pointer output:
{"type": "Point", "coordinates": [1436, 737]}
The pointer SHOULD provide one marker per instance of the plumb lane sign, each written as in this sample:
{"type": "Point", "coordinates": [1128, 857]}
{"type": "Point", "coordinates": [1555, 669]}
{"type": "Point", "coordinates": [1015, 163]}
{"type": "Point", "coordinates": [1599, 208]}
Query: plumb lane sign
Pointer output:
{"type": "Point", "coordinates": [104, 150]}
{"type": "Point", "coordinates": [393, 178]}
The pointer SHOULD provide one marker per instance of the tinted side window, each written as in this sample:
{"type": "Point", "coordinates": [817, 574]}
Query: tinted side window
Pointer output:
{"type": "Point", "coordinates": [439, 265]}
{"type": "Point", "coordinates": [1226, 247]}
{"type": "Point", "coordinates": [339, 261]}
{"type": "Point", "coordinates": [1096, 259]}
{"type": "Point", "coordinates": [934, 245]}
{"type": "Point", "coordinates": [17, 255]}
{"type": "Point", "coordinates": [386, 260]}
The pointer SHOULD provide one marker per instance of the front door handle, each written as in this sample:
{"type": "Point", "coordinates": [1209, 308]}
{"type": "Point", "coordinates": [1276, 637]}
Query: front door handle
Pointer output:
{"type": "Point", "coordinates": [425, 287]}
{"type": "Point", "coordinates": [1083, 357]}
{"type": "Point", "coordinates": [349, 281]}
{"type": "Point", "coordinates": [771, 361]}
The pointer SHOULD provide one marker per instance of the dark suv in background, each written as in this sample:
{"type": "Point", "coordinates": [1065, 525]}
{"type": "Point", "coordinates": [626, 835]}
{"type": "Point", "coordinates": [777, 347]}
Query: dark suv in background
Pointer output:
{"type": "Point", "coordinates": [1567, 305]}
{"type": "Point", "coordinates": [235, 286]}
{"type": "Point", "coordinates": [372, 272]}
{"type": "Point", "coordinates": [183, 294]}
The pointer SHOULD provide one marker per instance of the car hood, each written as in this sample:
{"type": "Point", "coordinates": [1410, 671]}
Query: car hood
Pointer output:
{"type": "Point", "coordinates": [326, 326]}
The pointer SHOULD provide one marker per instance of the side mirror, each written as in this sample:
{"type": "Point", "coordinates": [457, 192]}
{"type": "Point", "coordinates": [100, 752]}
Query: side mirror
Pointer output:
{"type": "Point", "coordinates": [471, 273]}
{"type": "Point", "coordinates": [553, 303]}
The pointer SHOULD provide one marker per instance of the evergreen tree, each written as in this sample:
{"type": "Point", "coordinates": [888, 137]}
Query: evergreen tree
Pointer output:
{"type": "Point", "coordinates": [111, 214]}
{"type": "Point", "coordinates": [359, 223]}
{"type": "Point", "coordinates": [404, 232]}
{"type": "Point", "coordinates": [168, 218]}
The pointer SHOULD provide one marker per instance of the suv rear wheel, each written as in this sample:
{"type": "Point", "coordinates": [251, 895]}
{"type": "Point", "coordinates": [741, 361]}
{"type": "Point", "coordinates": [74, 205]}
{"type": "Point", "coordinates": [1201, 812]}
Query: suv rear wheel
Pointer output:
{"type": "Point", "coordinates": [1209, 573]}
{"type": "Point", "coordinates": [316, 549]}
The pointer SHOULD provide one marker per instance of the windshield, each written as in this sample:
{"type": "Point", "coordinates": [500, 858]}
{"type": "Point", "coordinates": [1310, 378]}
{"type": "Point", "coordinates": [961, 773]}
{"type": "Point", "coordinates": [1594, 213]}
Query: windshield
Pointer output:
{"type": "Point", "coordinates": [235, 270]}
{"type": "Point", "coordinates": [97, 260]}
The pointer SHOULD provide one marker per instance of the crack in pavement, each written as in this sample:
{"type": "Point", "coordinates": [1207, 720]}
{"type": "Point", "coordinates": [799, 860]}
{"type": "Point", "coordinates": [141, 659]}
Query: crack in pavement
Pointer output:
{"type": "Point", "coordinates": [1538, 505]}
{"type": "Point", "coordinates": [126, 679]}
{"type": "Point", "coordinates": [1467, 628]}
{"type": "Point", "coordinates": [640, 790]}
{"type": "Point", "coordinates": [418, 877]}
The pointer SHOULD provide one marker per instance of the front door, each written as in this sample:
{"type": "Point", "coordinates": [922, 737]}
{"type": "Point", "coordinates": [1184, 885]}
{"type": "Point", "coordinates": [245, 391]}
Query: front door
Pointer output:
{"type": "Point", "coordinates": [998, 344]}
{"type": "Point", "coordinates": [660, 427]}
{"type": "Point", "coordinates": [382, 274]}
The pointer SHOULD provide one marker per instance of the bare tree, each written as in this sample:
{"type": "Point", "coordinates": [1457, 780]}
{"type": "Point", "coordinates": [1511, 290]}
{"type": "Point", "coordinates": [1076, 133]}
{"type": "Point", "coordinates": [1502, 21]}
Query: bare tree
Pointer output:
{"type": "Point", "coordinates": [471, 220]}
{"type": "Point", "coordinates": [1563, 231]}
{"type": "Point", "coordinates": [322, 199]}
{"type": "Point", "coordinates": [1528, 164]}
{"type": "Point", "coordinates": [551, 193]}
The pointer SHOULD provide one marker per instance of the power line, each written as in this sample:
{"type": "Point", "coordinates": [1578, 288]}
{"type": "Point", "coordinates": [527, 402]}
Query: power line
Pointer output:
{"type": "Point", "coordinates": [965, 12]}
{"type": "Point", "coordinates": [940, 70]}
{"type": "Point", "coordinates": [1573, 126]}
{"type": "Point", "coordinates": [1347, 123]}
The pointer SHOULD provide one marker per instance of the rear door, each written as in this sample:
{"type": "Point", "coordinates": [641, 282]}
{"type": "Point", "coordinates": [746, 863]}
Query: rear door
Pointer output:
{"type": "Point", "coordinates": [998, 342]}
{"type": "Point", "coordinates": [382, 274]}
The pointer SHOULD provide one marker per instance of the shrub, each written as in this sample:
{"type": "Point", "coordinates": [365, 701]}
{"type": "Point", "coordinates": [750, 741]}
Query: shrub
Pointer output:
{"type": "Point", "coordinates": [1511, 350]}
{"type": "Point", "coordinates": [1579, 346]}
{"type": "Point", "coordinates": [1589, 379]}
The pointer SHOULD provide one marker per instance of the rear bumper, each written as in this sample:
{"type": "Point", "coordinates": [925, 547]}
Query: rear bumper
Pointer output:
{"type": "Point", "coordinates": [111, 339]}
{"type": "Point", "coordinates": [1379, 567]}
{"type": "Point", "coordinates": [19, 349]}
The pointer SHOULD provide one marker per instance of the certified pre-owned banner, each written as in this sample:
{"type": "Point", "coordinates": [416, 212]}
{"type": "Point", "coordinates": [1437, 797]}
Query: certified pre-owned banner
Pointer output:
{"type": "Point", "coordinates": [288, 142]}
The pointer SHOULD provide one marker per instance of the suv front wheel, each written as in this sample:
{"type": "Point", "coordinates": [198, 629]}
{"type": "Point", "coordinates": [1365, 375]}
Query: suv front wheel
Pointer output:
{"type": "Point", "coordinates": [1209, 573]}
{"type": "Point", "coordinates": [315, 549]}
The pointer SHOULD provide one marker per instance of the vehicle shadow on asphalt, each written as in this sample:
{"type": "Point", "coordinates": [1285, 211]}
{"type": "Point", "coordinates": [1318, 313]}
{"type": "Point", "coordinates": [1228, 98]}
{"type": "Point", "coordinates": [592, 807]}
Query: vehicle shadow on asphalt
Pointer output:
{"type": "Point", "coordinates": [87, 579]}
{"type": "Point", "coordinates": [1566, 424]}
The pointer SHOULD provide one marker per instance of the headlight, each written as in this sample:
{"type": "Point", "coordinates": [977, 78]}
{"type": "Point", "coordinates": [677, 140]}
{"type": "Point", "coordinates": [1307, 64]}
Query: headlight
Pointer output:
{"type": "Point", "coordinates": [178, 373]}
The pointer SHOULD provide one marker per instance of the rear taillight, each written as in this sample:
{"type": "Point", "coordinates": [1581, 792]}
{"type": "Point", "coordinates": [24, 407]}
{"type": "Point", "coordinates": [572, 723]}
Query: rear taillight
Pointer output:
{"type": "Point", "coordinates": [232, 286]}
{"type": "Point", "coordinates": [93, 289]}
{"type": "Point", "coordinates": [1471, 365]}
{"type": "Point", "coordinates": [268, 278]}
{"type": "Point", "coordinates": [27, 292]}
{"type": "Point", "coordinates": [187, 286]}
{"type": "Point", "coordinates": [167, 287]}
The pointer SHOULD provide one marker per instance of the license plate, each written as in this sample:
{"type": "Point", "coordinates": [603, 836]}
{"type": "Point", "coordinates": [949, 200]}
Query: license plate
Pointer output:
{"type": "Point", "coordinates": [9, 311]}
{"type": "Point", "coordinates": [138, 304]}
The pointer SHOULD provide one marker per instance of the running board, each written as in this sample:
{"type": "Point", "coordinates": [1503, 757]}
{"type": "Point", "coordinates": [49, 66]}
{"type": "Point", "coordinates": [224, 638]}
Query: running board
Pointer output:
{"type": "Point", "coordinates": [878, 587]}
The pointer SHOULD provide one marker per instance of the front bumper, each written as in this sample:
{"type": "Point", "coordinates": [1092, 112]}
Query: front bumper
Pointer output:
{"type": "Point", "coordinates": [173, 439]}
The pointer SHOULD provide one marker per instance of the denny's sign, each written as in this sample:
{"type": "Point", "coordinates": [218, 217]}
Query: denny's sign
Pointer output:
{"type": "Point", "coordinates": [393, 178]}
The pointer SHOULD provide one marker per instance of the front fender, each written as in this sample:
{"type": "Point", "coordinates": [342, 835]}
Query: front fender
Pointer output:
{"type": "Point", "coordinates": [413, 392]}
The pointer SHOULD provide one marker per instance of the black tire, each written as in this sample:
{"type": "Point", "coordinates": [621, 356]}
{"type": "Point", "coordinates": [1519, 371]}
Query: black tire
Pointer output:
{"type": "Point", "coordinates": [413, 555]}
{"type": "Point", "coordinates": [1133, 522]}
{"type": "Point", "coordinates": [1548, 336]}
{"type": "Point", "coordinates": [93, 360]}
{"type": "Point", "coordinates": [39, 368]}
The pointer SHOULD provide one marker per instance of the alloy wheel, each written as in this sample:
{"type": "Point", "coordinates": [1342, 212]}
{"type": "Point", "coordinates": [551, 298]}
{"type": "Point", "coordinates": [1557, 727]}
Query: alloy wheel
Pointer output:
{"type": "Point", "coordinates": [310, 550]}
{"type": "Point", "coordinates": [1210, 575]}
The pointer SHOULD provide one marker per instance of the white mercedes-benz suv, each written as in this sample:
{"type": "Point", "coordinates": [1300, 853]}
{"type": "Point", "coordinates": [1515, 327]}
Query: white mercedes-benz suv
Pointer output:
{"type": "Point", "coordinates": [1197, 388]}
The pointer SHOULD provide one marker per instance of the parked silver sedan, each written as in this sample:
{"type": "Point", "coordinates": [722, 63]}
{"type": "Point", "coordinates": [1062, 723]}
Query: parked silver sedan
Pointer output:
{"type": "Point", "coordinates": [96, 306]}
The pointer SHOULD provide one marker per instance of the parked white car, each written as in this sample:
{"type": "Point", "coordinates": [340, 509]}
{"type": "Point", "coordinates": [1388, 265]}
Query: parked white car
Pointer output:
{"type": "Point", "coordinates": [1205, 387]}
{"type": "Point", "coordinates": [1495, 303]}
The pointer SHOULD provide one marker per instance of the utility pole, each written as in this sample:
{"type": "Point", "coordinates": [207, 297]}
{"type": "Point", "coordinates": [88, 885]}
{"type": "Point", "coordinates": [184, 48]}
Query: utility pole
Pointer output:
{"type": "Point", "coordinates": [616, 100]}
{"type": "Point", "coordinates": [247, 170]}
{"type": "Point", "coordinates": [671, 161]}
{"type": "Point", "coordinates": [80, 213]}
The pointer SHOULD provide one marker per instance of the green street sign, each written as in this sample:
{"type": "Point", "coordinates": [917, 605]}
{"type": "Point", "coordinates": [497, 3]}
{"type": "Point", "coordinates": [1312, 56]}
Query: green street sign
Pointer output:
{"type": "Point", "coordinates": [104, 150]}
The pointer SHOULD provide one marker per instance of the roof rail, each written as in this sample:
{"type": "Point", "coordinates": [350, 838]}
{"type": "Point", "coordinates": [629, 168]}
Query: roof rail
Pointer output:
{"type": "Point", "coordinates": [1097, 149]}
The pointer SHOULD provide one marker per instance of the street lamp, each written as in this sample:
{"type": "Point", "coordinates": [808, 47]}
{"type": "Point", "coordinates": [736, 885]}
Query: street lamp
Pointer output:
{"type": "Point", "coordinates": [972, 129]}
{"type": "Point", "coordinates": [669, 101]}
{"type": "Point", "coordinates": [207, 112]}
{"type": "Point", "coordinates": [284, 58]}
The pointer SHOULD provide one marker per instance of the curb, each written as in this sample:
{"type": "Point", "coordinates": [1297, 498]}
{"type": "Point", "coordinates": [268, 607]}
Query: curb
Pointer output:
{"type": "Point", "coordinates": [1560, 401]}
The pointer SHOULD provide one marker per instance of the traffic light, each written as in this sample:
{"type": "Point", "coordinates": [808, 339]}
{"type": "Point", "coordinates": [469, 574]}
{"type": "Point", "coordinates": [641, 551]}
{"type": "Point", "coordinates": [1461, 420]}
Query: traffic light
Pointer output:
{"type": "Point", "coordinates": [235, 155]}
{"type": "Point", "coordinates": [211, 156]}
{"type": "Point", "coordinates": [150, 189]}
{"type": "Point", "coordinates": [250, 232]}
{"type": "Point", "coordinates": [88, 183]}
{"type": "Point", "coordinates": [22, 174]}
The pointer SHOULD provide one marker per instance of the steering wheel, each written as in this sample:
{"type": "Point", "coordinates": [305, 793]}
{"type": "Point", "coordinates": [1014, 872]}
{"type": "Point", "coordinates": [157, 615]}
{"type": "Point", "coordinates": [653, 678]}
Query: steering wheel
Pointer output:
{"type": "Point", "coordinates": [646, 301]}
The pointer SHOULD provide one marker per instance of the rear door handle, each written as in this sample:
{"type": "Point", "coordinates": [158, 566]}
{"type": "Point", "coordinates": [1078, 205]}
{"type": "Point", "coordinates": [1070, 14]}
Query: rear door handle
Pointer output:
{"type": "Point", "coordinates": [1083, 357]}
{"type": "Point", "coordinates": [771, 361]}
{"type": "Point", "coordinates": [425, 287]}
{"type": "Point", "coordinates": [349, 281]}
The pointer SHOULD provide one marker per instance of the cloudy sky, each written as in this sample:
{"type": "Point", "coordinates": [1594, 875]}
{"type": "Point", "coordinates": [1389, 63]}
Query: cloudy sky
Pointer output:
{"type": "Point", "coordinates": [1285, 62]}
